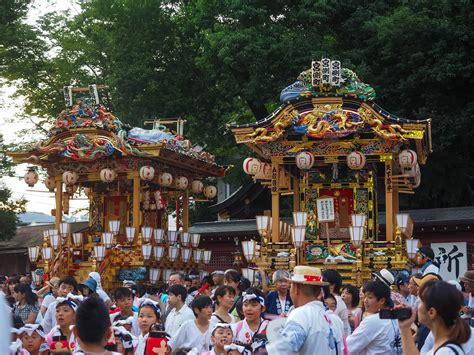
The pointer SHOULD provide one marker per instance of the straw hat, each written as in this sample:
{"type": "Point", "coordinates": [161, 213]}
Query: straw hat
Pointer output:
{"type": "Point", "coordinates": [428, 277]}
{"type": "Point", "coordinates": [53, 282]}
{"type": "Point", "coordinates": [307, 275]}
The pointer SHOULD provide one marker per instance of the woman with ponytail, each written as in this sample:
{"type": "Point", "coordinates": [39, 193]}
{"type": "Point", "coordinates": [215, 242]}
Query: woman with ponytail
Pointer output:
{"type": "Point", "coordinates": [439, 307]}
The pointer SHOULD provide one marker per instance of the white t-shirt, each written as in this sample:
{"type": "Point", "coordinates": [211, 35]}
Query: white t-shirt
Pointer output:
{"type": "Point", "coordinates": [189, 336]}
{"type": "Point", "coordinates": [427, 348]}
{"type": "Point", "coordinates": [49, 319]}
{"type": "Point", "coordinates": [47, 300]}
{"type": "Point", "coordinates": [175, 319]}
{"type": "Point", "coordinates": [374, 336]}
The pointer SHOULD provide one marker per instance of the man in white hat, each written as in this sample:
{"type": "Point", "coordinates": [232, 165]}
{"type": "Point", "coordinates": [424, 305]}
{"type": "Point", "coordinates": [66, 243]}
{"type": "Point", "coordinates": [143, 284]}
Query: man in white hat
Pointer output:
{"type": "Point", "coordinates": [308, 330]}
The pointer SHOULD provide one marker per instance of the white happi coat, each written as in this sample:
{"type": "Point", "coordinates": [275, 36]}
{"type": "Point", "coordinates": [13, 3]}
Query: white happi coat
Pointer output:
{"type": "Point", "coordinates": [307, 331]}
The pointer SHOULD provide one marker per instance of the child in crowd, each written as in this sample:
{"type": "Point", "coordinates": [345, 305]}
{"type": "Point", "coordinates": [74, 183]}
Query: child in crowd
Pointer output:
{"type": "Point", "coordinates": [195, 333]}
{"type": "Point", "coordinates": [92, 329]}
{"type": "Point", "coordinates": [220, 337]}
{"type": "Point", "coordinates": [224, 299]}
{"type": "Point", "coordinates": [330, 302]}
{"type": "Point", "coordinates": [61, 338]}
{"type": "Point", "coordinates": [124, 301]}
{"type": "Point", "coordinates": [32, 337]}
{"type": "Point", "coordinates": [253, 306]}
{"type": "Point", "coordinates": [148, 315]}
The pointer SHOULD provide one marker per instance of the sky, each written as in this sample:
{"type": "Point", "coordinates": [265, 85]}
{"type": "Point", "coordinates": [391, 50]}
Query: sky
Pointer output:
{"type": "Point", "coordinates": [39, 198]}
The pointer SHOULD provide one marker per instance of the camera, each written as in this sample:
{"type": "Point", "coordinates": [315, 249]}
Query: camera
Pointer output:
{"type": "Point", "coordinates": [397, 313]}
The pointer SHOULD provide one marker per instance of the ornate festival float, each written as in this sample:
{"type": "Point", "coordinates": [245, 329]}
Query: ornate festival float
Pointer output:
{"type": "Point", "coordinates": [332, 148]}
{"type": "Point", "coordinates": [135, 181]}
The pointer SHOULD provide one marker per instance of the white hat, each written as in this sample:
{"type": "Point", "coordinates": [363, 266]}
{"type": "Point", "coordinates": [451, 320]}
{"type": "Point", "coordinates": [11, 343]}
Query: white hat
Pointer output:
{"type": "Point", "coordinates": [307, 275]}
{"type": "Point", "coordinates": [385, 276]}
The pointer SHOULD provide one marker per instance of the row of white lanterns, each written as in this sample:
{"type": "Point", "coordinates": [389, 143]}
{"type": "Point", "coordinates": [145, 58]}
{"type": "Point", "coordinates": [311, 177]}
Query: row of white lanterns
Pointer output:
{"type": "Point", "coordinates": [147, 173]}
{"type": "Point", "coordinates": [198, 255]}
{"type": "Point", "coordinates": [356, 230]}
{"type": "Point", "coordinates": [305, 160]}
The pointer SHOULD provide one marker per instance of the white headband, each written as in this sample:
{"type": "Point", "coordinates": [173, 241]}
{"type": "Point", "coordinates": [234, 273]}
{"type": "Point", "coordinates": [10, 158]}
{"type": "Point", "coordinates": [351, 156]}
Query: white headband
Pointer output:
{"type": "Point", "coordinates": [30, 329]}
{"type": "Point", "coordinates": [253, 296]}
{"type": "Point", "coordinates": [146, 301]}
{"type": "Point", "coordinates": [221, 325]}
{"type": "Point", "coordinates": [121, 322]}
{"type": "Point", "coordinates": [70, 299]}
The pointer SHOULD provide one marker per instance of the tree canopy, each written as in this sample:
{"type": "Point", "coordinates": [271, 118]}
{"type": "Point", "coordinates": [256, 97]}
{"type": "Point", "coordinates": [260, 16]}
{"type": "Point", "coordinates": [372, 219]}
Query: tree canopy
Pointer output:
{"type": "Point", "coordinates": [219, 61]}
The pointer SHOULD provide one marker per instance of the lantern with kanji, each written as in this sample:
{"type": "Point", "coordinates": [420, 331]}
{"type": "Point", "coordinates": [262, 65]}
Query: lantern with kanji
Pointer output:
{"type": "Point", "coordinates": [147, 173]}
{"type": "Point", "coordinates": [70, 177]}
{"type": "Point", "coordinates": [356, 160]}
{"type": "Point", "coordinates": [407, 158]}
{"type": "Point", "coordinates": [304, 160]}
{"type": "Point", "coordinates": [165, 179]}
{"type": "Point", "coordinates": [197, 186]}
{"type": "Point", "coordinates": [265, 172]}
{"type": "Point", "coordinates": [181, 183]}
{"type": "Point", "coordinates": [108, 175]}
{"type": "Point", "coordinates": [210, 191]}
{"type": "Point", "coordinates": [31, 177]}
{"type": "Point", "coordinates": [252, 166]}
{"type": "Point", "coordinates": [50, 183]}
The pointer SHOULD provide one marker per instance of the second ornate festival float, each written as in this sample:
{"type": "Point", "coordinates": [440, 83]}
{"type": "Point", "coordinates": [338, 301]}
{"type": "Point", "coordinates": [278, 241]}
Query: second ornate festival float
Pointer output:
{"type": "Point", "coordinates": [330, 146]}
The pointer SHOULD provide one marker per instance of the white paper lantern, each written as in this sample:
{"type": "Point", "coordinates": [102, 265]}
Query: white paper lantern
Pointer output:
{"type": "Point", "coordinates": [50, 183]}
{"type": "Point", "coordinates": [31, 178]}
{"type": "Point", "coordinates": [210, 191]}
{"type": "Point", "coordinates": [108, 175]}
{"type": "Point", "coordinates": [147, 173]}
{"type": "Point", "coordinates": [165, 179]}
{"type": "Point", "coordinates": [181, 182]}
{"type": "Point", "coordinates": [407, 158]}
{"type": "Point", "coordinates": [356, 160]}
{"type": "Point", "coordinates": [70, 177]}
{"type": "Point", "coordinates": [252, 166]}
{"type": "Point", "coordinates": [197, 186]}
{"type": "Point", "coordinates": [304, 160]}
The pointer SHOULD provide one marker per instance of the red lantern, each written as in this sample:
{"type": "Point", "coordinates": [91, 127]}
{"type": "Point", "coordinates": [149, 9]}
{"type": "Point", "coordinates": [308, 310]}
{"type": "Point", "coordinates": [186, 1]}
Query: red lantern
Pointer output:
{"type": "Point", "coordinates": [356, 160]}
{"type": "Point", "coordinates": [252, 166]}
{"type": "Point", "coordinates": [147, 173]}
{"type": "Point", "coordinates": [165, 179]}
{"type": "Point", "coordinates": [304, 160]}
{"type": "Point", "coordinates": [108, 175]}
{"type": "Point", "coordinates": [407, 158]}
{"type": "Point", "coordinates": [157, 343]}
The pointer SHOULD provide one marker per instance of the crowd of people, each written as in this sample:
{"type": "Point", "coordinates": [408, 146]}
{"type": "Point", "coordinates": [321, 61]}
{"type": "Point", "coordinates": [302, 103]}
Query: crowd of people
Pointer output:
{"type": "Point", "coordinates": [307, 312]}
